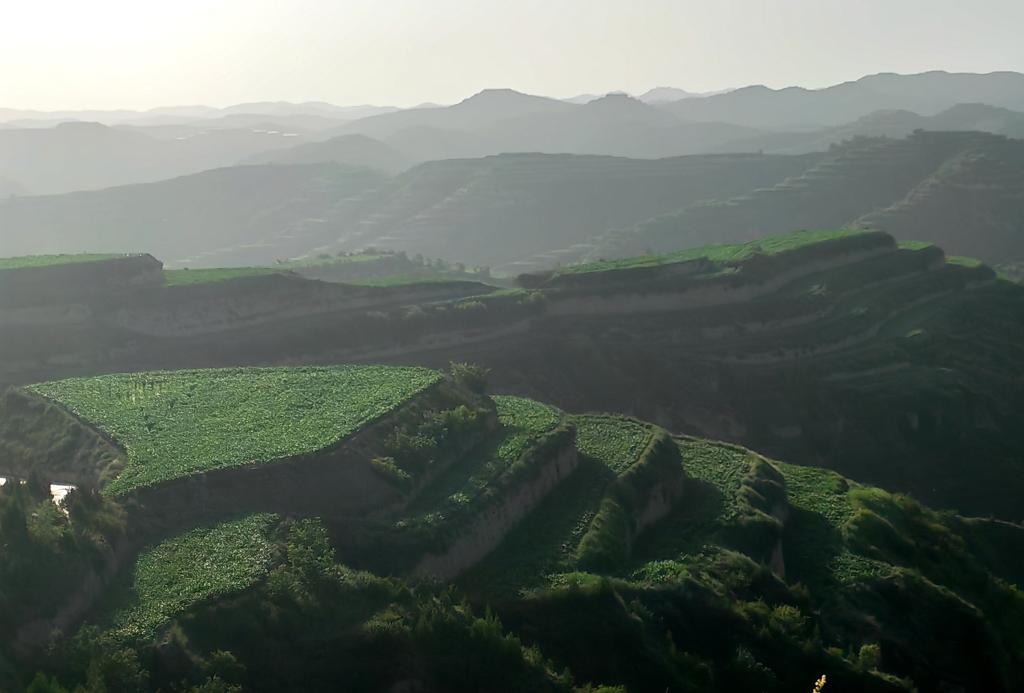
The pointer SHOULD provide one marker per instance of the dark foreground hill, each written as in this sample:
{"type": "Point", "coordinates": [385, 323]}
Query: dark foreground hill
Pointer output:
{"type": "Point", "coordinates": [891, 364]}
{"type": "Point", "coordinates": [376, 528]}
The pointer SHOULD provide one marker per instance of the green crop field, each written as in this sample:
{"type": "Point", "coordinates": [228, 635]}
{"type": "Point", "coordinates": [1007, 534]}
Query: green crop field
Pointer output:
{"type": "Point", "coordinates": [27, 261]}
{"type": "Point", "coordinates": [963, 261]}
{"type": "Point", "coordinates": [203, 563]}
{"type": "Point", "coordinates": [524, 420]}
{"type": "Point", "coordinates": [614, 441]}
{"type": "Point", "coordinates": [177, 423]}
{"type": "Point", "coordinates": [914, 245]}
{"type": "Point", "coordinates": [817, 549]}
{"type": "Point", "coordinates": [185, 277]}
{"type": "Point", "coordinates": [768, 245]}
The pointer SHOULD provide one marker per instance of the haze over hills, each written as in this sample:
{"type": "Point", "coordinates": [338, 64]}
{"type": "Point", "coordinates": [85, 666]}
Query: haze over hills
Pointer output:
{"type": "Point", "coordinates": [229, 215]}
{"type": "Point", "coordinates": [517, 212]}
{"type": "Point", "coordinates": [794, 107]}
{"type": "Point", "coordinates": [491, 211]}
{"type": "Point", "coordinates": [497, 121]}
{"type": "Point", "coordinates": [88, 156]}
{"type": "Point", "coordinates": [895, 124]}
{"type": "Point", "coordinates": [976, 173]}
{"type": "Point", "coordinates": [182, 114]}
{"type": "Point", "coordinates": [352, 150]}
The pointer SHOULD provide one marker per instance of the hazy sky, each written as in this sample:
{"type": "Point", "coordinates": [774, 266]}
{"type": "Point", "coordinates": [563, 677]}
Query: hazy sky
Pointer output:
{"type": "Point", "coordinates": [58, 54]}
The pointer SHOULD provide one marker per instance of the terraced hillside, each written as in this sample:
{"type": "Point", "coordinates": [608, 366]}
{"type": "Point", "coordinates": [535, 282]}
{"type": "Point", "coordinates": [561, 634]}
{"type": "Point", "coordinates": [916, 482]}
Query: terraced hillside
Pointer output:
{"type": "Point", "coordinates": [904, 187]}
{"type": "Point", "coordinates": [509, 211]}
{"type": "Point", "coordinates": [174, 425]}
{"type": "Point", "coordinates": [181, 446]}
{"type": "Point", "coordinates": [885, 362]}
{"type": "Point", "coordinates": [972, 205]}
{"type": "Point", "coordinates": [578, 549]}
{"type": "Point", "coordinates": [59, 324]}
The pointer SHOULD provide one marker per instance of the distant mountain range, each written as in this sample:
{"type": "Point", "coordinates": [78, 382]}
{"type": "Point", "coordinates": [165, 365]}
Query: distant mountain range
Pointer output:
{"type": "Point", "coordinates": [521, 182]}
{"type": "Point", "coordinates": [13, 117]}
{"type": "Point", "coordinates": [139, 147]}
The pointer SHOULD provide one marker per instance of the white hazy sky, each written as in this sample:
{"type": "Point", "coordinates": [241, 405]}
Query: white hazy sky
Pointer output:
{"type": "Point", "coordinates": [72, 54]}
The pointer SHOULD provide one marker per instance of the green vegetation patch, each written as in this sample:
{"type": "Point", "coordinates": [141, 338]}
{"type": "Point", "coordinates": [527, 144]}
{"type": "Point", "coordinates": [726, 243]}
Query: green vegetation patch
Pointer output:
{"type": "Point", "coordinates": [27, 261]}
{"type": "Point", "coordinates": [544, 543]}
{"type": "Point", "coordinates": [962, 261]}
{"type": "Point", "coordinates": [528, 430]}
{"type": "Point", "coordinates": [176, 423]}
{"type": "Point", "coordinates": [816, 544]}
{"type": "Point", "coordinates": [524, 421]}
{"type": "Point", "coordinates": [768, 245]}
{"type": "Point", "coordinates": [201, 564]}
{"type": "Point", "coordinates": [185, 277]}
{"type": "Point", "coordinates": [914, 245]}
{"type": "Point", "coordinates": [614, 441]}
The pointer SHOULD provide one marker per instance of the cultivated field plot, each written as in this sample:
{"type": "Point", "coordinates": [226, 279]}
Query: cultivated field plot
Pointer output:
{"type": "Point", "coordinates": [201, 564]}
{"type": "Point", "coordinates": [29, 261]}
{"type": "Point", "coordinates": [176, 423]}
{"type": "Point", "coordinates": [767, 245]}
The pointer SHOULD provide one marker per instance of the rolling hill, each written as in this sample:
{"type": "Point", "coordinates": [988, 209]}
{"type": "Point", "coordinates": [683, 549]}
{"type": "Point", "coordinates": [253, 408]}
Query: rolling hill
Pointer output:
{"type": "Point", "coordinates": [350, 150]}
{"type": "Point", "coordinates": [894, 185]}
{"type": "Point", "coordinates": [888, 123]}
{"type": "Point", "coordinates": [86, 156]}
{"type": "Point", "coordinates": [248, 213]}
{"type": "Point", "coordinates": [508, 211]}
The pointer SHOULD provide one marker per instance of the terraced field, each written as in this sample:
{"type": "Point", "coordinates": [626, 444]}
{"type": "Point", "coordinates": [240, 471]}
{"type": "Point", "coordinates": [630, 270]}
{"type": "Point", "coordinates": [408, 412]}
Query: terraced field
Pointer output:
{"type": "Point", "coordinates": [523, 423]}
{"type": "Point", "coordinates": [176, 423]}
{"type": "Point", "coordinates": [725, 253]}
{"type": "Point", "coordinates": [878, 183]}
{"type": "Point", "coordinates": [28, 261]}
{"type": "Point", "coordinates": [544, 544]}
{"type": "Point", "coordinates": [202, 564]}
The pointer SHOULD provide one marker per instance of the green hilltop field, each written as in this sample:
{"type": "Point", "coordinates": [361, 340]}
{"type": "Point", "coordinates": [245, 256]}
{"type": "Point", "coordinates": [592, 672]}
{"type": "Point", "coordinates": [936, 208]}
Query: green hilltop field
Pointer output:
{"type": "Point", "coordinates": [173, 424]}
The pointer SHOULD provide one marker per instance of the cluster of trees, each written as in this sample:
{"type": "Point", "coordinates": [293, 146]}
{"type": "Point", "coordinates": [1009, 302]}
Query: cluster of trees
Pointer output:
{"type": "Point", "coordinates": [48, 550]}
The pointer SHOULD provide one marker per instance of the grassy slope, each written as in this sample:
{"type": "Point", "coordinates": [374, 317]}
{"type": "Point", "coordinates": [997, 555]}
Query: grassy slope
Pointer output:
{"type": "Point", "coordinates": [27, 261]}
{"type": "Point", "coordinates": [201, 564]}
{"type": "Point", "coordinates": [174, 424]}
{"type": "Point", "coordinates": [769, 245]}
